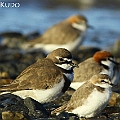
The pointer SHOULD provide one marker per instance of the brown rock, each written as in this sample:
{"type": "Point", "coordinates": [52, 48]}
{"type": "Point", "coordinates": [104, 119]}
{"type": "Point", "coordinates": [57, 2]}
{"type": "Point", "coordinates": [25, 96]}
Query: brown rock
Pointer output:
{"type": "Point", "coordinates": [5, 81]}
{"type": "Point", "coordinates": [7, 115]}
{"type": "Point", "coordinates": [115, 100]}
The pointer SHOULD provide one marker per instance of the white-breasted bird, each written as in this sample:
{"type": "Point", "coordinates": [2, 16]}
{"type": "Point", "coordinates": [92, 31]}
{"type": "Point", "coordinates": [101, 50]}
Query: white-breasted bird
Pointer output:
{"type": "Point", "coordinates": [90, 98]}
{"type": "Point", "coordinates": [45, 80]}
{"type": "Point", "coordinates": [67, 34]}
{"type": "Point", "coordinates": [102, 62]}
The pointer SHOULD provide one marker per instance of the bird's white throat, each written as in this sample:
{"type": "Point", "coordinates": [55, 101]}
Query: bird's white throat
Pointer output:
{"type": "Point", "coordinates": [65, 66]}
{"type": "Point", "coordinates": [81, 27]}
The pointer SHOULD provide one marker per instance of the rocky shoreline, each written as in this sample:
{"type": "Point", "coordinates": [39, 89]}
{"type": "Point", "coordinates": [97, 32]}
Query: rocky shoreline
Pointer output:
{"type": "Point", "coordinates": [13, 62]}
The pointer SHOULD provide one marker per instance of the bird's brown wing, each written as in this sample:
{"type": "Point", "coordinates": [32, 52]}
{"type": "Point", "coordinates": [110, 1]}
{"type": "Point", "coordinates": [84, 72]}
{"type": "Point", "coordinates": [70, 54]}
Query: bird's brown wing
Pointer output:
{"type": "Point", "coordinates": [36, 76]}
{"type": "Point", "coordinates": [62, 29]}
{"type": "Point", "coordinates": [86, 70]}
{"type": "Point", "coordinates": [79, 96]}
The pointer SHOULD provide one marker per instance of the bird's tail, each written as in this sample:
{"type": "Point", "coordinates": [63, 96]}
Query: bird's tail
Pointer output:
{"type": "Point", "coordinates": [59, 109]}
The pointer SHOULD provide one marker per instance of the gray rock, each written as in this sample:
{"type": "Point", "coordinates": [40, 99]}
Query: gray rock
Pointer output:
{"type": "Point", "coordinates": [30, 108]}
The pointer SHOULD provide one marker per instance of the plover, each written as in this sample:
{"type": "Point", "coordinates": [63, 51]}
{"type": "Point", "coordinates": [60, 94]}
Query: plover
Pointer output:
{"type": "Point", "coordinates": [66, 34]}
{"type": "Point", "coordinates": [45, 80]}
{"type": "Point", "coordinates": [90, 98]}
{"type": "Point", "coordinates": [102, 62]}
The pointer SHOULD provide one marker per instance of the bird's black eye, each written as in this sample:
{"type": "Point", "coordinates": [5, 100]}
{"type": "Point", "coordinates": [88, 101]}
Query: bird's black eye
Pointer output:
{"type": "Point", "coordinates": [61, 59]}
{"type": "Point", "coordinates": [102, 81]}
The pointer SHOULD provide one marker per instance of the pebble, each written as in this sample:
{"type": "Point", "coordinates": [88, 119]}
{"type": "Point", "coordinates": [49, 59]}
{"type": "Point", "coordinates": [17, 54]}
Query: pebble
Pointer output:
{"type": "Point", "coordinates": [8, 115]}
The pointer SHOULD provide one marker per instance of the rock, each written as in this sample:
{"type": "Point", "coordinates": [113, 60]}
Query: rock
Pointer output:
{"type": "Point", "coordinates": [14, 42]}
{"type": "Point", "coordinates": [84, 52]}
{"type": "Point", "coordinates": [16, 39]}
{"type": "Point", "coordinates": [4, 78]}
{"type": "Point", "coordinates": [32, 35]}
{"type": "Point", "coordinates": [7, 115]}
{"type": "Point", "coordinates": [36, 110]}
{"type": "Point", "coordinates": [11, 34]}
{"type": "Point", "coordinates": [13, 63]}
{"type": "Point", "coordinates": [115, 100]}
{"type": "Point", "coordinates": [116, 49]}
{"type": "Point", "coordinates": [4, 75]}
{"type": "Point", "coordinates": [27, 108]}
{"type": "Point", "coordinates": [5, 81]}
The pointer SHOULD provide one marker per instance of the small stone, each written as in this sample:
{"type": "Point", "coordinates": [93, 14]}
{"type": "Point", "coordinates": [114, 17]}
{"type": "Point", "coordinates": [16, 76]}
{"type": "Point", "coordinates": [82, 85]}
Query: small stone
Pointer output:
{"type": "Point", "coordinates": [7, 115]}
{"type": "Point", "coordinates": [36, 110]}
{"type": "Point", "coordinates": [116, 48]}
{"type": "Point", "coordinates": [5, 81]}
{"type": "Point", "coordinates": [115, 100]}
{"type": "Point", "coordinates": [4, 74]}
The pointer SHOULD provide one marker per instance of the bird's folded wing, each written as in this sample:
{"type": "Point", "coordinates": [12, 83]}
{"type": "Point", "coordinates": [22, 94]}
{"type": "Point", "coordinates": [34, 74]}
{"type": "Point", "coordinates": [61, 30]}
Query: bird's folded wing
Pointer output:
{"type": "Point", "coordinates": [35, 77]}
